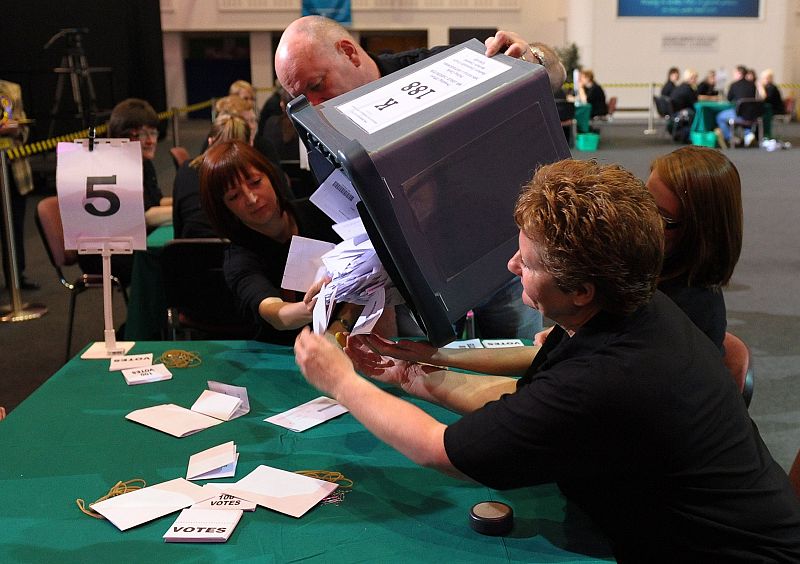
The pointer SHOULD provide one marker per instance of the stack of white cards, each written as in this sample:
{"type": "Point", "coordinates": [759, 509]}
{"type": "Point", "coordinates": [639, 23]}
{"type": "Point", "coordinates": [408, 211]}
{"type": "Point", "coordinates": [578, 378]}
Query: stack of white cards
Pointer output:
{"type": "Point", "coordinates": [220, 403]}
{"type": "Point", "coordinates": [203, 525]}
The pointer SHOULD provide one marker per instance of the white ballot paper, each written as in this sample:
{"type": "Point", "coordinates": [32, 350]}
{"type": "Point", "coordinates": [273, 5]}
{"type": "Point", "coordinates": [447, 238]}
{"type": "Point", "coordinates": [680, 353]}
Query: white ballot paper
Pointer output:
{"type": "Point", "coordinates": [468, 344]}
{"type": "Point", "coordinates": [203, 525]}
{"type": "Point", "coordinates": [146, 374]}
{"type": "Point", "coordinates": [223, 500]}
{"type": "Point", "coordinates": [351, 229]}
{"type": "Point", "coordinates": [222, 402]}
{"type": "Point", "coordinates": [304, 263]}
{"type": "Point", "coordinates": [336, 197]}
{"type": "Point", "coordinates": [282, 491]}
{"type": "Point", "coordinates": [140, 506]}
{"type": "Point", "coordinates": [120, 362]}
{"type": "Point", "coordinates": [309, 414]}
{"type": "Point", "coordinates": [215, 462]}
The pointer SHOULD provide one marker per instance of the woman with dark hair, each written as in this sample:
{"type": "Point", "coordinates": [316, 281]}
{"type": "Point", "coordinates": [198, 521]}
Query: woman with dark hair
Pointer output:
{"type": "Point", "coordinates": [673, 76]}
{"type": "Point", "coordinates": [699, 197]}
{"type": "Point", "coordinates": [237, 191]}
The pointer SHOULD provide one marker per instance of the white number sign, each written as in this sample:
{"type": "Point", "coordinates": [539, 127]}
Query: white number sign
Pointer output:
{"type": "Point", "coordinates": [100, 192]}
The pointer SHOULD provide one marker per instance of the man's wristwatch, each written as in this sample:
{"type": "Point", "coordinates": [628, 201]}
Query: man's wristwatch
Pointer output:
{"type": "Point", "coordinates": [537, 54]}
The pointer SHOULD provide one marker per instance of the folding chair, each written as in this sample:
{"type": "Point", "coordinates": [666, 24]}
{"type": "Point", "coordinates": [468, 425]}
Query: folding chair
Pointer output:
{"type": "Point", "coordinates": [198, 299]}
{"type": "Point", "coordinates": [48, 221]}
{"type": "Point", "coordinates": [737, 360]}
{"type": "Point", "coordinates": [749, 115]}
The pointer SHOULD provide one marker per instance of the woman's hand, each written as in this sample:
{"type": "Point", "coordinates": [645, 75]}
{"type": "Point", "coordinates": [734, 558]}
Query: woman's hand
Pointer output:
{"type": "Point", "coordinates": [382, 367]}
{"type": "Point", "coordinates": [310, 297]}
{"type": "Point", "coordinates": [413, 351]}
{"type": "Point", "coordinates": [322, 363]}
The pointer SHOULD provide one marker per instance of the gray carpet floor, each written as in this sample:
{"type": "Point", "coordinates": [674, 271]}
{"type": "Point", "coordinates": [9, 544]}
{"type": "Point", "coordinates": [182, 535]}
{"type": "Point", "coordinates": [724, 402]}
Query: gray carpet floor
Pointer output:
{"type": "Point", "coordinates": [762, 300]}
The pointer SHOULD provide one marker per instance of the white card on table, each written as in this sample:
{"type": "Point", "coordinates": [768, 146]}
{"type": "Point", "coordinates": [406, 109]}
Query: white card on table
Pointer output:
{"type": "Point", "coordinates": [121, 362]}
{"type": "Point", "coordinates": [502, 343]}
{"type": "Point", "coordinates": [468, 344]}
{"type": "Point", "coordinates": [172, 419]}
{"type": "Point", "coordinates": [223, 500]}
{"type": "Point", "coordinates": [309, 414]}
{"type": "Point", "coordinates": [286, 492]}
{"type": "Point", "coordinates": [140, 506]}
{"type": "Point", "coordinates": [203, 525]}
{"type": "Point", "coordinates": [146, 374]}
{"type": "Point", "coordinates": [215, 462]}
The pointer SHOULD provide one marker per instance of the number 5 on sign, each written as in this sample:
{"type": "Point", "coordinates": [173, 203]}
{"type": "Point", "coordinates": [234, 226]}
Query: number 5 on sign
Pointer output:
{"type": "Point", "coordinates": [100, 191]}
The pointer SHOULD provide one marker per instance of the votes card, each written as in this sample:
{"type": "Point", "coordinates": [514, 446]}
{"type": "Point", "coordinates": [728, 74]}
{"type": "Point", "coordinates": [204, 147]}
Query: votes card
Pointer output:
{"type": "Point", "coordinates": [146, 374]}
{"type": "Point", "coordinates": [223, 500]}
{"type": "Point", "coordinates": [203, 525]}
{"type": "Point", "coordinates": [121, 362]}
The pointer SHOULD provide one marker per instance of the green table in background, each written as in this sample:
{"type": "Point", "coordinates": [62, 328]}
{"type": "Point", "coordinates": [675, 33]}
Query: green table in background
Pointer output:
{"type": "Point", "coordinates": [583, 117]}
{"type": "Point", "coordinates": [705, 117]}
{"type": "Point", "coordinates": [70, 440]}
{"type": "Point", "coordinates": [146, 301]}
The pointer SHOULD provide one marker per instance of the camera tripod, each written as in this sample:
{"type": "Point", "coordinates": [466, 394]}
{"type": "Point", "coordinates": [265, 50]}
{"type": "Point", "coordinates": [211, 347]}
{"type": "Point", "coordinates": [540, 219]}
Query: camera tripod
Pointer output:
{"type": "Point", "coordinates": [75, 64]}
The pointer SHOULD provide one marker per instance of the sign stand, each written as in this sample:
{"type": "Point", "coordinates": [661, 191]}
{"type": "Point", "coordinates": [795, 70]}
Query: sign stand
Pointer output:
{"type": "Point", "coordinates": [106, 247]}
{"type": "Point", "coordinates": [16, 311]}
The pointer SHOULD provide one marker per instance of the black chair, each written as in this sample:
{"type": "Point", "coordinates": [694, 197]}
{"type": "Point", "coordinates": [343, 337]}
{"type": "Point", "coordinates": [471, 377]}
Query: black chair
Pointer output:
{"type": "Point", "coordinates": [566, 113]}
{"type": "Point", "coordinates": [198, 299]}
{"type": "Point", "coordinates": [665, 110]}
{"type": "Point", "coordinates": [749, 115]}
{"type": "Point", "coordinates": [51, 230]}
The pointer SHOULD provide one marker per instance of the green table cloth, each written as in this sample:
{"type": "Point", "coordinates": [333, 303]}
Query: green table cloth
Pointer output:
{"type": "Point", "coordinates": [70, 440]}
{"type": "Point", "coordinates": [705, 117]}
{"type": "Point", "coordinates": [147, 303]}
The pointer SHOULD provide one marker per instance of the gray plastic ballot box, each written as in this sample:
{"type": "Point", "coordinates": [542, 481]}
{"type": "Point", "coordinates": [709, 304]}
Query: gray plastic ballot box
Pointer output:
{"type": "Point", "coordinates": [438, 153]}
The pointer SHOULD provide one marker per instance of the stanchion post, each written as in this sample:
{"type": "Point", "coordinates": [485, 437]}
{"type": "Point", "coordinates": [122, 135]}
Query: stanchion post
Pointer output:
{"type": "Point", "coordinates": [16, 311]}
{"type": "Point", "coordinates": [175, 133]}
{"type": "Point", "coordinates": [650, 123]}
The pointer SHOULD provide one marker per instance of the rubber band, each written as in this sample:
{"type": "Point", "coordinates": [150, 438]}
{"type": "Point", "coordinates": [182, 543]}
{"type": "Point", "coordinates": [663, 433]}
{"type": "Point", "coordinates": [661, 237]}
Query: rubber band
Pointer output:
{"type": "Point", "coordinates": [337, 495]}
{"type": "Point", "coordinates": [176, 358]}
{"type": "Point", "coordinates": [117, 489]}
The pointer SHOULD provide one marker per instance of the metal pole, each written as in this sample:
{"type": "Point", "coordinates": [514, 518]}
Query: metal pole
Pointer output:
{"type": "Point", "coordinates": [175, 137]}
{"type": "Point", "coordinates": [17, 311]}
{"type": "Point", "coordinates": [650, 129]}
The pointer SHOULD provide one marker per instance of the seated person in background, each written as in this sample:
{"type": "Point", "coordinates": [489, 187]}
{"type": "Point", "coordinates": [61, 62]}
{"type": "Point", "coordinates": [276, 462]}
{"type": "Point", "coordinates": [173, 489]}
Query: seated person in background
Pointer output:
{"type": "Point", "coordinates": [246, 92]}
{"type": "Point", "coordinates": [189, 220]}
{"type": "Point", "coordinates": [237, 190]}
{"type": "Point", "coordinates": [136, 120]}
{"type": "Point", "coordinates": [673, 76]}
{"type": "Point", "coordinates": [627, 406]}
{"type": "Point", "coordinates": [707, 90]}
{"type": "Point", "coordinates": [768, 91]}
{"type": "Point", "coordinates": [592, 93]}
{"type": "Point", "coordinates": [699, 196]}
{"type": "Point", "coordinates": [739, 88]}
{"type": "Point", "coordinates": [685, 94]}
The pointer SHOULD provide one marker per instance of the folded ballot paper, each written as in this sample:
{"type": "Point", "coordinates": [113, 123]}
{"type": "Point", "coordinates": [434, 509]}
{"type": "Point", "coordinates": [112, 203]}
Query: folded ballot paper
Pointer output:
{"type": "Point", "coordinates": [203, 525]}
{"type": "Point", "coordinates": [140, 506]}
{"type": "Point", "coordinates": [215, 462]}
{"type": "Point", "coordinates": [221, 402]}
{"type": "Point", "coordinates": [282, 491]}
{"type": "Point", "coordinates": [309, 414]}
{"type": "Point", "coordinates": [357, 276]}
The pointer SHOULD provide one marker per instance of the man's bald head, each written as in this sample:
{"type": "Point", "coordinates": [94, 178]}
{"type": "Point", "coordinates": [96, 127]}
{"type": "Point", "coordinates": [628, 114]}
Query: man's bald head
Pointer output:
{"type": "Point", "coordinates": [319, 58]}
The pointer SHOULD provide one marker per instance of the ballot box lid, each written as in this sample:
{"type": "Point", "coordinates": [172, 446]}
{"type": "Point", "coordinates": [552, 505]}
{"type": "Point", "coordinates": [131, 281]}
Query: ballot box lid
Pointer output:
{"type": "Point", "coordinates": [438, 153]}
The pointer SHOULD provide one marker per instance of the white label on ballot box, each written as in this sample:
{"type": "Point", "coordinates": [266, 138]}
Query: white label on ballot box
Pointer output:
{"type": "Point", "coordinates": [421, 89]}
{"type": "Point", "coordinates": [100, 191]}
